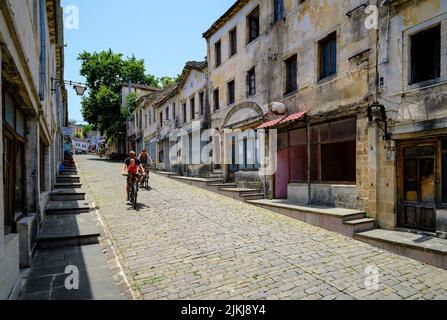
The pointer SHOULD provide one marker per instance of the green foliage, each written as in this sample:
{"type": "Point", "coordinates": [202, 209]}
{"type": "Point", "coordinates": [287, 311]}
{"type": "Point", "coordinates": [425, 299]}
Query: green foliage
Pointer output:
{"type": "Point", "coordinates": [131, 102]}
{"type": "Point", "coordinates": [86, 129]}
{"type": "Point", "coordinates": [105, 73]}
{"type": "Point", "coordinates": [78, 135]}
{"type": "Point", "coordinates": [169, 81]}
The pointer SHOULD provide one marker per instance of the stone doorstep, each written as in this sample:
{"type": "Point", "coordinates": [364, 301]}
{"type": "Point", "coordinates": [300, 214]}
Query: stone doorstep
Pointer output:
{"type": "Point", "coordinates": [344, 214]}
{"type": "Point", "coordinates": [406, 240]}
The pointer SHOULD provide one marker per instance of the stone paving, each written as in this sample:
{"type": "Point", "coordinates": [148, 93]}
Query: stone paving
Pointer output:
{"type": "Point", "coordinates": [188, 243]}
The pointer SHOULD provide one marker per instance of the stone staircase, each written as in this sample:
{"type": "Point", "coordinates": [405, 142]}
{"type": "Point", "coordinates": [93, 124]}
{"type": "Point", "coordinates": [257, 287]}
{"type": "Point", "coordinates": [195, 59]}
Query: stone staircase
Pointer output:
{"type": "Point", "coordinates": [69, 219]}
{"type": "Point", "coordinates": [70, 236]}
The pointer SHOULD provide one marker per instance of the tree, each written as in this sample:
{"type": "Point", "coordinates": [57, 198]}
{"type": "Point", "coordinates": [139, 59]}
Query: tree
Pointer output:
{"type": "Point", "coordinates": [105, 73]}
{"type": "Point", "coordinates": [169, 81]}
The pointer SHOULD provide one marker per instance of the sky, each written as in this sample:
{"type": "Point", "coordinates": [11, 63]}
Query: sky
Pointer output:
{"type": "Point", "coordinates": [166, 34]}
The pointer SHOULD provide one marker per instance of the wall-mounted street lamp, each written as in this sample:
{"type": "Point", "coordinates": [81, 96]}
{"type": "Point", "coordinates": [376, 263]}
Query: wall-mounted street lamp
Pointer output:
{"type": "Point", "coordinates": [80, 88]}
{"type": "Point", "coordinates": [377, 114]}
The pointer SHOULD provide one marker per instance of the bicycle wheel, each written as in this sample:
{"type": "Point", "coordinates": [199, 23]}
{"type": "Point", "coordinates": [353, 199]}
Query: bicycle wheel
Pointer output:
{"type": "Point", "coordinates": [135, 196]}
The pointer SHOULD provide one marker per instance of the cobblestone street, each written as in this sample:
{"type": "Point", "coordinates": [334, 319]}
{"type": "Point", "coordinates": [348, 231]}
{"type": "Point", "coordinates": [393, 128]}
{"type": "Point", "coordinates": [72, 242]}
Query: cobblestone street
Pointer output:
{"type": "Point", "coordinates": [188, 243]}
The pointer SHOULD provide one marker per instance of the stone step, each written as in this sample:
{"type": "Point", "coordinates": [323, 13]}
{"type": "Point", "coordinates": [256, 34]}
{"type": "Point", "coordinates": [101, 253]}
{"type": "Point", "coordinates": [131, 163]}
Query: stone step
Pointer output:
{"type": "Point", "coordinates": [425, 248]}
{"type": "Point", "coordinates": [73, 172]}
{"type": "Point", "coordinates": [332, 219]}
{"type": "Point", "coordinates": [361, 225]}
{"type": "Point", "coordinates": [67, 207]}
{"type": "Point", "coordinates": [67, 178]}
{"type": "Point", "coordinates": [223, 185]}
{"type": "Point", "coordinates": [253, 196]}
{"type": "Point", "coordinates": [68, 230]}
{"type": "Point", "coordinates": [68, 185]}
{"type": "Point", "coordinates": [240, 191]}
{"type": "Point", "coordinates": [67, 195]}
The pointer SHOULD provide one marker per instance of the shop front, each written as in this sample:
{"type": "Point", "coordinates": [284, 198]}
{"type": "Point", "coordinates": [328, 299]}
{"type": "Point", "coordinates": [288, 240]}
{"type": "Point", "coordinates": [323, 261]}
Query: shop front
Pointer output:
{"type": "Point", "coordinates": [316, 162]}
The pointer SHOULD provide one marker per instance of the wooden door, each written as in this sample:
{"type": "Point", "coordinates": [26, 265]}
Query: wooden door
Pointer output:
{"type": "Point", "coordinates": [418, 186]}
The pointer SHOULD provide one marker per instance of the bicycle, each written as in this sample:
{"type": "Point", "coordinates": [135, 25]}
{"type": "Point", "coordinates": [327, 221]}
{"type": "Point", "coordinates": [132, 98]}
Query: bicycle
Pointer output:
{"type": "Point", "coordinates": [133, 191]}
{"type": "Point", "coordinates": [145, 180]}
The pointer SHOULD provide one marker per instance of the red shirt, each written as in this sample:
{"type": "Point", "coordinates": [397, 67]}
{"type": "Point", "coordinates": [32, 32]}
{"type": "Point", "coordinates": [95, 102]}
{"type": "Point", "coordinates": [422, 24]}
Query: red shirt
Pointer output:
{"type": "Point", "coordinates": [133, 169]}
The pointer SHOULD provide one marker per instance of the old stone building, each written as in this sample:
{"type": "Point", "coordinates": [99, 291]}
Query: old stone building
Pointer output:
{"type": "Point", "coordinates": [278, 65]}
{"type": "Point", "coordinates": [354, 91]}
{"type": "Point", "coordinates": [34, 111]}
{"type": "Point", "coordinates": [411, 162]}
{"type": "Point", "coordinates": [136, 124]}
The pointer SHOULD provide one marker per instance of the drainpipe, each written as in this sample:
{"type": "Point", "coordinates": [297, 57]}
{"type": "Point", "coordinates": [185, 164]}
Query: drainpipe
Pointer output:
{"type": "Point", "coordinates": [43, 50]}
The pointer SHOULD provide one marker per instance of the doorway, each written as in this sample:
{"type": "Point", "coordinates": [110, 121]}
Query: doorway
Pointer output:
{"type": "Point", "coordinates": [419, 184]}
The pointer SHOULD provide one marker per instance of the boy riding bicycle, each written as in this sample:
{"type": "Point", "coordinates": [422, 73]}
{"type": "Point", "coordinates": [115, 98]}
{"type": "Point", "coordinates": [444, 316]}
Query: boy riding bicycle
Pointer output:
{"type": "Point", "coordinates": [132, 167]}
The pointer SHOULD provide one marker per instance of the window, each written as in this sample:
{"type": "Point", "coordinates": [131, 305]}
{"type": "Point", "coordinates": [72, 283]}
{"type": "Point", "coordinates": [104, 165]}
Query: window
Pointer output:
{"type": "Point", "coordinates": [253, 25]}
{"type": "Point", "coordinates": [233, 42]}
{"type": "Point", "coordinates": [333, 151]}
{"type": "Point", "coordinates": [231, 96]}
{"type": "Point", "coordinates": [192, 103]}
{"type": "Point", "coordinates": [218, 53]}
{"type": "Point", "coordinates": [278, 10]}
{"type": "Point", "coordinates": [167, 114]}
{"type": "Point", "coordinates": [426, 55]}
{"type": "Point", "coordinates": [216, 99]}
{"type": "Point", "coordinates": [145, 120]}
{"type": "Point", "coordinates": [291, 74]}
{"type": "Point", "coordinates": [140, 123]}
{"type": "Point", "coordinates": [184, 113]}
{"type": "Point", "coordinates": [328, 56]}
{"type": "Point", "coordinates": [202, 102]}
{"type": "Point", "coordinates": [174, 112]}
{"type": "Point", "coordinates": [444, 171]}
{"type": "Point", "coordinates": [251, 83]}
{"type": "Point", "coordinates": [161, 119]}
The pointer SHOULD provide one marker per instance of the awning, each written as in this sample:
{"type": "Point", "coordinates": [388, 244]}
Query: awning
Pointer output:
{"type": "Point", "coordinates": [282, 120]}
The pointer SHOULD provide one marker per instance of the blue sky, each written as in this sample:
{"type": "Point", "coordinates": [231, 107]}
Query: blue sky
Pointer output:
{"type": "Point", "coordinates": [165, 34]}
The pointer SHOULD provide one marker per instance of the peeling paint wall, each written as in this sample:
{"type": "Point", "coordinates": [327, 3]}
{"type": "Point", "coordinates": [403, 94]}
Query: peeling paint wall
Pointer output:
{"type": "Point", "coordinates": [415, 111]}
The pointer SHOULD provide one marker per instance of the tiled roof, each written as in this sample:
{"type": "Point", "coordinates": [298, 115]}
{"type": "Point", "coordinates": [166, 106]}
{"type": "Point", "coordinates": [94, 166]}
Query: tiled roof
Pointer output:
{"type": "Point", "coordinates": [282, 120]}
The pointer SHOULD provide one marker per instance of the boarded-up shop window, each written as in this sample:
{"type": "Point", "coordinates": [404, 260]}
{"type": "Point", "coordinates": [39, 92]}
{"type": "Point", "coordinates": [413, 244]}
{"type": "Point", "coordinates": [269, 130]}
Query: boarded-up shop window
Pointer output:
{"type": "Point", "coordinates": [298, 155]}
{"type": "Point", "coordinates": [333, 152]}
{"type": "Point", "coordinates": [283, 141]}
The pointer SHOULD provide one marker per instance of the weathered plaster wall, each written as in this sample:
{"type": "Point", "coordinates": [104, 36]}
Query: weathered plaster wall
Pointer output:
{"type": "Point", "coordinates": [415, 111]}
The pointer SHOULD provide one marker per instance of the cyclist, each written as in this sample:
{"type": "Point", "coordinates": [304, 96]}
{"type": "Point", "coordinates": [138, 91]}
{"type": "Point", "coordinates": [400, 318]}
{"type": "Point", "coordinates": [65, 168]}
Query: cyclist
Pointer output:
{"type": "Point", "coordinates": [145, 159]}
{"type": "Point", "coordinates": [127, 163]}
